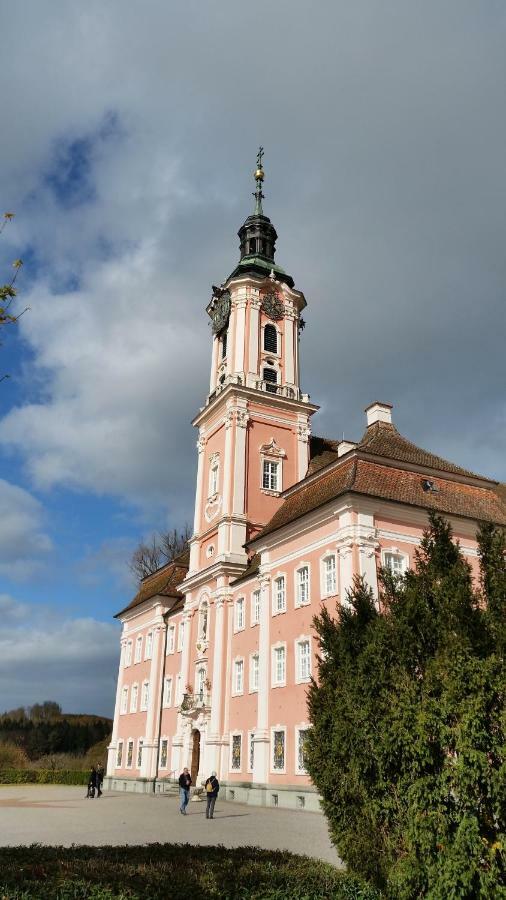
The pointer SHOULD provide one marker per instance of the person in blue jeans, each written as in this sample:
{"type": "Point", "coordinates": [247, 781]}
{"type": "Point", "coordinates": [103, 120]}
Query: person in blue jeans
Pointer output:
{"type": "Point", "coordinates": [185, 783]}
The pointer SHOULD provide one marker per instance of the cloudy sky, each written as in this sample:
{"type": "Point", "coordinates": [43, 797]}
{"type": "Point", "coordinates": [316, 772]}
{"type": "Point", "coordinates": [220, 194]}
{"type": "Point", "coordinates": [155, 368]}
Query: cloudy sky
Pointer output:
{"type": "Point", "coordinates": [129, 134]}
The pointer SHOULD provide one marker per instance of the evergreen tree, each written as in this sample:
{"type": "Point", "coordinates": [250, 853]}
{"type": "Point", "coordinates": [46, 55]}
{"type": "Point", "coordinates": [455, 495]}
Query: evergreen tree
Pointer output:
{"type": "Point", "coordinates": [408, 744]}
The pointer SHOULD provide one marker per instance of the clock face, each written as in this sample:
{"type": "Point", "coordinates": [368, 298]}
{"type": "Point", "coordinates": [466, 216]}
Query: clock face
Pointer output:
{"type": "Point", "coordinates": [220, 311]}
{"type": "Point", "coordinates": [272, 306]}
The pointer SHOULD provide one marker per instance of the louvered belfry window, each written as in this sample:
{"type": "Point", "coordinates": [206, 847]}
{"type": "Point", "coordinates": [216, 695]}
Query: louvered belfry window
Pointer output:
{"type": "Point", "coordinates": [271, 377]}
{"type": "Point", "coordinates": [270, 339]}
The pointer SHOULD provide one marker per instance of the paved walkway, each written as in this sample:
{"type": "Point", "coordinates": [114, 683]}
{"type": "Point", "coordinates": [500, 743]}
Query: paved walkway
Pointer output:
{"type": "Point", "coordinates": [54, 814]}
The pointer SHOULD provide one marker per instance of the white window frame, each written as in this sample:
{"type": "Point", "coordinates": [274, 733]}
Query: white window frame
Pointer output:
{"type": "Point", "coordinates": [280, 645]}
{"type": "Point", "coordinates": [145, 696]}
{"type": "Point", "coordinates": [271, 453]}
{"type": "Point", "coordinates": [171, 639]}
{"type": "Point", "coordinates": [129, 743]}
{"type": "Point", "coordinates": [119, 755]}
{"type": "Point", "coordinates": [253, 688]}
{"type": "Point", "coordinates": [138, 649]}
{"type": "Point", "coordinates": [138, 757]}
{"type": "Point", "coordinates": [273, 770]}
{"type": "Point", "coordinates": [249, 767]}
{"type": "Point", "coordinates": [240, 622]}
{"type": "Point", "coordinates": [148, 646]}
{"type": "Point", "coordinates": [128, 654]}
{"type": "Point", "coordinates": [166, 740]}
{"type": "Point", "coordinates": [300, 568]}
{"type": "Point", "coordinates": [167, 691]}
{"type": "Point", "coordinates": [178, 698]}
{"type": "Point", "coordinates": [276, 609]}
{"type": "Point", "coordinates": [270, 473]}
{"type": "Point", "coordinates": [329, 554]}
{"type": "Point", "coordinates": [267, 353]}
{"type": "Point", "coordinates": [302, 639]}
{"type": "Point", "coordinates": [124, 700]}
{"type": "Point", "coordinates": [255, 608]}
{"type": "Point", "coordinates": [234, 734]}
{"type": "Point", "coordinates": [180, 637]}
{"type": "Point", "coordinates": [134, 697]}
{"type": "Point", "coordinates": [214, 475]}
{"type": "Point", "coordinates": [298, 728]}
{"type": "Point", "coordinates": [394, 551]}
{"type": "Point", "coordinates": [238, 661]}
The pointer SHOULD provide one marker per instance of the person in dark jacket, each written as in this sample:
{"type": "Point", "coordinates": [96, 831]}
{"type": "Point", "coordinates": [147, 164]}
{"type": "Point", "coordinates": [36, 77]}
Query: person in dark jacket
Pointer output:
{"type": "Point", "coordinates": [185, 783]}
{"type": "Point", "coordinates": [212, 789]}
{"type": "Point", "coordinates": [100, 779]}
{"type": "Point", "coordinates": [92, 782]}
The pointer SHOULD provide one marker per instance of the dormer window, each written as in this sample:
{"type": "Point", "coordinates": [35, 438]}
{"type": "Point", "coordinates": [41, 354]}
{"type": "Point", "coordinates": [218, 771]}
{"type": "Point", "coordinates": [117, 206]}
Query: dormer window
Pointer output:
{"type": "Point", "coordinates": [270, 339]}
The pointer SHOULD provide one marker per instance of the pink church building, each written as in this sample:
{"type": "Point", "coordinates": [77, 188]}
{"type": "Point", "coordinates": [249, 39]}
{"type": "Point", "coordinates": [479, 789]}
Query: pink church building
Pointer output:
{"type": "Point", "coordinates": [217, 647]}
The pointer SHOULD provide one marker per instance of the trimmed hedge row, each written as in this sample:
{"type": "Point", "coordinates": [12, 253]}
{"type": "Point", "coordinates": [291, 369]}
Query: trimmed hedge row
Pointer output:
{"type": "Point", "coordinates": [159, 871]}
{"type": "Point", "coordinates": [43, 776]}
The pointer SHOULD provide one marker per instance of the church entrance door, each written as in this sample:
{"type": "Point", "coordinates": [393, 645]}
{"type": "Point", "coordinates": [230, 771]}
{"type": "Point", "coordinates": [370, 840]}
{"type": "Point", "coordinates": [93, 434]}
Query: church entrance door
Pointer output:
{"type": "Point", "coordinates": [195, 755]}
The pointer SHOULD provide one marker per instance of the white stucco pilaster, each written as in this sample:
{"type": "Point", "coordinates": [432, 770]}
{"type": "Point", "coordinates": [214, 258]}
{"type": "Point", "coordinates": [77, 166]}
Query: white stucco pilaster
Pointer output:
{"type": "Point", "coordinates": [289, 350]}
{"type": "Point", "coordinates": [261, 739]}
{"type": "Point", "coordinates": [303, 435]}
{"type": "Point", "coordinates": [240, 335]}
{"type": "Point", "coordinates": [214, 738]}
{"type": "Point", "coordinates": [214, 363]}
{"type": "Point", "coordinates": [111, 749]}
{"type": "Point", "coordinates": [239, 482]}
{"type": "Point", "coordinates": [229, 612]}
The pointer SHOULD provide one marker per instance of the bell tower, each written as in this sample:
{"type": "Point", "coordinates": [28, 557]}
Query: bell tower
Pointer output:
{"type": "Point", "coordinates": [254, 428]}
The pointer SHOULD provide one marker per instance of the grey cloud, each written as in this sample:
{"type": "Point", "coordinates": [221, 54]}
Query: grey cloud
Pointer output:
{"type": "Point", "coordinates": [385, 157]}
{"type": "Point", "coordinates": [24, 544]}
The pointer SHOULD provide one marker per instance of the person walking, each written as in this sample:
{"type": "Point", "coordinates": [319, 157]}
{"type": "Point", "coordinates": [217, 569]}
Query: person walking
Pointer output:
{"type": "Point", "coordinates": [212, 789]}
{"type": "Point", "coordinates": [100, 779]}
{"type": "Point", "coordinates": [185, 783]}
{"type": "Point", "coordinates": [92, 783]}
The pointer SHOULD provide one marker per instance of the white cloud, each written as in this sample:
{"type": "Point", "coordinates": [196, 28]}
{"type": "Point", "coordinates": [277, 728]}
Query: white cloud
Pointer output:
{"type": "Point", "coordinates": [45, 657]}
{"type": "Point", "coordinates": [24, 545]}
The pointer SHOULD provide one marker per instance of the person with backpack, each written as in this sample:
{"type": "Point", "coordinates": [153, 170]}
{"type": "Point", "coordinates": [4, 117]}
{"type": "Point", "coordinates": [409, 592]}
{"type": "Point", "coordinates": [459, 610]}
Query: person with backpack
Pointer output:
{"type": "Point", "coordinates": [212, 789]}
{"type": "Point", "coordinates": [100, 779]}
{"type": "Point", "coordinates": [92, 783]}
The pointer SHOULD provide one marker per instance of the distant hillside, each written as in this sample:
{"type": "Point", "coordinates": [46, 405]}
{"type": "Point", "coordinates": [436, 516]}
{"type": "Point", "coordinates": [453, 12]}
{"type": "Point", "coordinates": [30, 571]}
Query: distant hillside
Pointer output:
{"type": "Point", "coordinates": [44, 729]}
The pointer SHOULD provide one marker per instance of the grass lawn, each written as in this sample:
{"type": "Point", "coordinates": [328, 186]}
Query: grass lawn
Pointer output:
{"type": "Point", "coordinates": [169, 871]}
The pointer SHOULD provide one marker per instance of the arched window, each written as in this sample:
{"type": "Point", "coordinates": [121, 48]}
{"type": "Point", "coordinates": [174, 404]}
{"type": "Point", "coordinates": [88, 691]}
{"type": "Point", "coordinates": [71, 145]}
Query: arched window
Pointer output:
{"type": "Point", "coordinates": [252, 246]}
{"type": "Point", "coordinates": [270, 339]}
{"type": "Point", "coordinates": [271, 377]}
{"type": "Point", "coordinates": [224, 344]}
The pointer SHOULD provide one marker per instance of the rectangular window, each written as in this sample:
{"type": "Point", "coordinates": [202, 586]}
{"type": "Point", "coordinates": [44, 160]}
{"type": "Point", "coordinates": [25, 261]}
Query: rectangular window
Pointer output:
{"type": "Point", "coordinates": [236, 751]}
{"type": "Point", "coordinates": [239, 614]}
{"type": "Point", "coordinates": [167, 691]}
{"type": "Point", "coordinates": [180, 637]}
{"type": "Point", "coordinates": [145, 695]}
{"type": "Point", "coordinates": [133, 698]}
{"type": "Point", "coordinates": [303, 586]}
{"type": "Point", "coordinates": [395, 562]}
{"type": "Point", "coordinates": [139, 753]}
{"type": "Point", "coordinates": [171, 639]}
{"type": "Point", "coordinates": [278, 751]}
{"type": "Point", "coordinates": [254, 670]}
{"type": "Point", "coordinates": [302, 735]}
{"type": "Point", "coordinates": [255, 608]}
{"type": "Point", "coordinates": [270, 475]}
{"type": "Point", "coordinates": [303, 660]}
{"type": "Point", "coordinates": [124, 700]}
{"type": "Point", "coordinates": [329, 568]}
{"type": "Point", "coordinates": [279, 665]}
{"type": "Point", "coordinates": [130, 754]}
{"type": "Point", "coordinates": [149, 646]}
{"type": "Point", "coordinates": [179, 689]}
{"type": "Point", "coordinates": [138, 649]}
{"type": "Point", "coordinates": [163, 753]}
{"type": "Point", "coordinates": [280, 594]}
{"type": "Point", "coordinates": [119, 754]}
{"type": "Point", "coordinates": [128, 654]}
{"type": "Point", "coordinates": [238, 676]}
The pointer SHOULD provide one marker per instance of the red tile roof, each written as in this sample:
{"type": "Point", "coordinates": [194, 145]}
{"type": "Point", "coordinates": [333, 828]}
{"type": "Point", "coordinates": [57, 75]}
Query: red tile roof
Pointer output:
{"type": "Point", "coordinates": [383, 439]}
{"type": "Point", "coordinates": [162, 583]}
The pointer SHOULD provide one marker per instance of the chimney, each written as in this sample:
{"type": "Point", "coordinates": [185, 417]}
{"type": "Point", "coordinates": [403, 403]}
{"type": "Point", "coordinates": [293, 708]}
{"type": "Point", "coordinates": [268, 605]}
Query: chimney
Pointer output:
{"type": "Point", "coordinates": [378, 412]}
{"type": "Point", "coordinates": [345, 447]}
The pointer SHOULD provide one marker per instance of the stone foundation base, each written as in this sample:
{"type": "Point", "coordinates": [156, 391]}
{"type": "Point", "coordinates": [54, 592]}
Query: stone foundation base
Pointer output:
{"type": "Point", "coordinates": [286, 796]}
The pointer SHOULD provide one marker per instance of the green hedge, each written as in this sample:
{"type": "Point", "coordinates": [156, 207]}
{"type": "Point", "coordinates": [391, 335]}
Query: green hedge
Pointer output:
{"type": "Point", "coordinates": [43, 776]}
{"type": "Point", "coordinates": [159, 871]}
